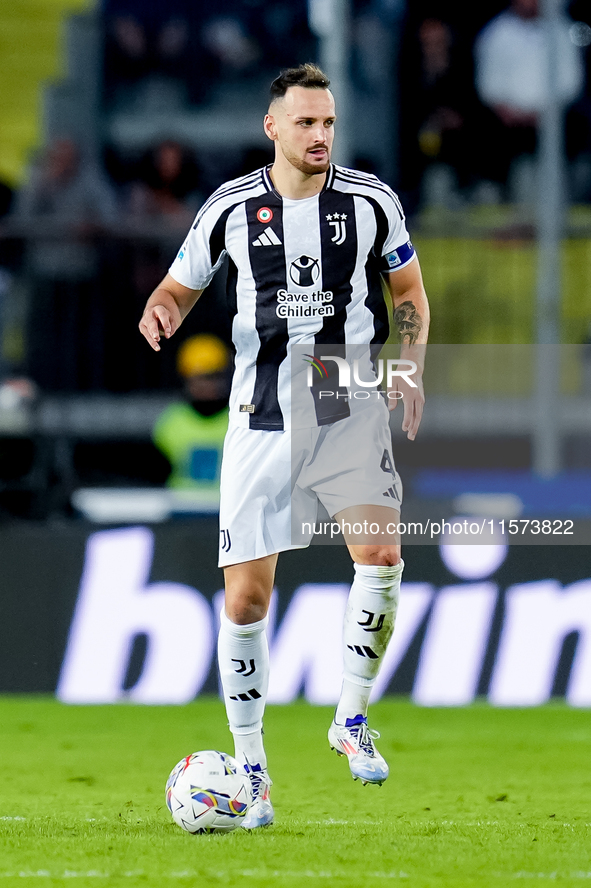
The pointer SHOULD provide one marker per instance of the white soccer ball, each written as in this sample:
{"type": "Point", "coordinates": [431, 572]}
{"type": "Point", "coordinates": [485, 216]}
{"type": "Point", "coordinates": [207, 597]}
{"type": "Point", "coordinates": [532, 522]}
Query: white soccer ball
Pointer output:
{"type": "Point", "coordinates": [208, 792]}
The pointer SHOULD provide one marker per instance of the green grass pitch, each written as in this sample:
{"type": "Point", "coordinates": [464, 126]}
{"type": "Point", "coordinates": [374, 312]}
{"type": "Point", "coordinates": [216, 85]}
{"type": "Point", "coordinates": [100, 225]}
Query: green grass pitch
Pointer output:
{"type": "Point", "coordinates": [476, 797]}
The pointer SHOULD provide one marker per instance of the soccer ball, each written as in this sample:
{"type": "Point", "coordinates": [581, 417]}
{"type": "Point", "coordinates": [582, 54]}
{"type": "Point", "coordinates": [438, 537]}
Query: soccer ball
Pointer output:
{"type": "Point", "coordinates": [208, 792]}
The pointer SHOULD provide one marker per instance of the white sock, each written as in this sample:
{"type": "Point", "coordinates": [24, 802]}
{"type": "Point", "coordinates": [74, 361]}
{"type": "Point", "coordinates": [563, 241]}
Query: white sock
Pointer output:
{"type": "Point", "coordinates": [249, 748]}
{"type": "Point", "coordinates": [368, 627]}
{"type": "Point", "coordinates": [243, 659]}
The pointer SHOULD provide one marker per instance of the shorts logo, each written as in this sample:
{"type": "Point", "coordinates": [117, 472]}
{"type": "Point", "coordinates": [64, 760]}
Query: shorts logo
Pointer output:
{"type": "Point", "coordinates": [265, 215]}
{"type": "Point", "coordinates": [225, 542]}
{"type": "Point", "coordinates": [304, 271]}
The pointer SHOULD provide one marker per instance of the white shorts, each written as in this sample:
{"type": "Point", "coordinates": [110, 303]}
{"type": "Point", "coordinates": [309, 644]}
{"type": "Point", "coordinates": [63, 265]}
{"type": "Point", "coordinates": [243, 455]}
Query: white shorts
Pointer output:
{"type": "Point", "coordinates": [273, 481]}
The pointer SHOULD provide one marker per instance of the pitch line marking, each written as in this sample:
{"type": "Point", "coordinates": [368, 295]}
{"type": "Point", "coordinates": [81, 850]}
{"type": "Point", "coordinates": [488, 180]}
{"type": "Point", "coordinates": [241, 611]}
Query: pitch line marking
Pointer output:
{"type": "Point", "coordinates": [263, 873]}
{"type": "Point", "coordinates": [254, 873]}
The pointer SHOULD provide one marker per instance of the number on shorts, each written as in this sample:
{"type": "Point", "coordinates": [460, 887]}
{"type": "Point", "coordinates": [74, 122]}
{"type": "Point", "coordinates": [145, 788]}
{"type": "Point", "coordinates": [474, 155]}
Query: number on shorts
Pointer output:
{"type": "Point", "coordinates": [386, 463]}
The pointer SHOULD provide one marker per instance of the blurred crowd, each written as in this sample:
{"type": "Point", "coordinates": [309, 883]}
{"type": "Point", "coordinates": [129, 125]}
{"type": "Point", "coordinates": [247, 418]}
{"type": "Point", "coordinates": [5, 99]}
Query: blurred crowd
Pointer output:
{"type": "Point", "coordinates": [97, 233]}
{"type": "Point", "coordinates": [470, 78]}
{"type": "Point", "coordinates": [192, 45]}
{"type": "Point", "coordinates": [477, 80]}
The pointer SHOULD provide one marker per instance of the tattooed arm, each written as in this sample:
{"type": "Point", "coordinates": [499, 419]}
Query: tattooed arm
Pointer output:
{"type": "Point", "coordinates": [411, 318]}
{"type": "Point", "coordinates": [408, 322]}
{"type": "Point", "coordinates": [410, 305]}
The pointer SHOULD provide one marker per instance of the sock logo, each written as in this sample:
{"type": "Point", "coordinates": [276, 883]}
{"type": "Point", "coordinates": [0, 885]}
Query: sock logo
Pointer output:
{"type": "Point", "coordinates": [366, 624]}
{"type": "Point", "coordinates": [363, 651]}
{"type": "Point", "coordinates": [243, 667]}
{"type": "Point", "coordinates": [253, 694]}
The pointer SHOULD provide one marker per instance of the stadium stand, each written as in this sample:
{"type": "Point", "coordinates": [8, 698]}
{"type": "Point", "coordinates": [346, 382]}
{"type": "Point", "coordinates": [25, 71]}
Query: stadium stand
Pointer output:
{"type": "Point", "coordinates": [31, 49]}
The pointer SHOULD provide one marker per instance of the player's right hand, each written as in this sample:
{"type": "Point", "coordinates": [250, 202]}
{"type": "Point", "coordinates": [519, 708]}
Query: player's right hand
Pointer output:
{"type": "Point", "coordinates": [157, 321]}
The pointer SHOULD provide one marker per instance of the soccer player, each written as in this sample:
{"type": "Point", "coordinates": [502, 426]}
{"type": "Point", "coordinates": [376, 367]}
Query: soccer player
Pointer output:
{"type": "Point", "coordinates": [308, 243]}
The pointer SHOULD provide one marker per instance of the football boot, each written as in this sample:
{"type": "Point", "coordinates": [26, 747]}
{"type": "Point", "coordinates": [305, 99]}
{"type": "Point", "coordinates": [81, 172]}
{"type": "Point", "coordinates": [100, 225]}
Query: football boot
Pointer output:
{"type": "Point", "coordinates": [260, 812]}
{"type": "Point", "coordinates": [355, 740]}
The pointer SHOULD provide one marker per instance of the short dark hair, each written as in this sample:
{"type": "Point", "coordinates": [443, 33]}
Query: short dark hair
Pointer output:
{"type": "Point", "coordinates": [308, 75]}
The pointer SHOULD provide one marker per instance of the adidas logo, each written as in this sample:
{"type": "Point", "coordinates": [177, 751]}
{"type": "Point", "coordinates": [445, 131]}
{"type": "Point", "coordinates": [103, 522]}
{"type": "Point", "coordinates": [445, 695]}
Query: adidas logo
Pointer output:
{"type": "Point", "coordinates": [267, 239]}
{"type": "Point", "coordinates": [390, 492]}
{"type": "Point", "coordinates": [363, 651]}
{"type": "Point", "coordinates": [253, 694]}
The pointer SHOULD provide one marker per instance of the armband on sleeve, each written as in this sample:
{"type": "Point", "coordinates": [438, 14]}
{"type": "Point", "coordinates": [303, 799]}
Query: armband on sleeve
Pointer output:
{"type": "Point", "coordinates": [398, 258]}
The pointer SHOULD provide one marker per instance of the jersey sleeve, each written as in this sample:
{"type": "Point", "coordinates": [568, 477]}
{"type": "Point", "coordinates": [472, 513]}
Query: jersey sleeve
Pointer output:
{"type": "Point", "coordinates": [397, 250]}
{"type": "Point", "coordinates": [203, 251]}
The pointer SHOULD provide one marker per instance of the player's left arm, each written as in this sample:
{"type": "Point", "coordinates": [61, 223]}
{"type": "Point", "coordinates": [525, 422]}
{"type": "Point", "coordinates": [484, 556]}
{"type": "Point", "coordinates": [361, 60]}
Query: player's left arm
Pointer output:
{"type": "Point", "coordinates": [410, 308]}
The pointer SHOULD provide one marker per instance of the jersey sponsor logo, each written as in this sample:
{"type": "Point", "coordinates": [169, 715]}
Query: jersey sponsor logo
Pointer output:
{"type": "Point", "coordinates": [304, 271]}
{"type": "Point", "coordinates": [267, 239]}
{"type": "Point", "coordinates": [264, 215]}
{"type": "Point", "coordinates": [304, 305]}
{"type": "Point", "coordinates": [338, 222]}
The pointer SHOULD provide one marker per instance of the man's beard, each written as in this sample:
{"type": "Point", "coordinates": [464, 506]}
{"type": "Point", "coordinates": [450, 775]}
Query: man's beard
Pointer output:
{"type": "Point", "coordinates": [307, 168]}
{"type": "Point", "coordinates": [310, 170]}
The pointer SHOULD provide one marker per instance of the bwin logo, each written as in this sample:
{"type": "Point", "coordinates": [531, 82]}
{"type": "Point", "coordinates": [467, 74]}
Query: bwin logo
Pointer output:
{"type": "Point", "coordinates": [304, 271]}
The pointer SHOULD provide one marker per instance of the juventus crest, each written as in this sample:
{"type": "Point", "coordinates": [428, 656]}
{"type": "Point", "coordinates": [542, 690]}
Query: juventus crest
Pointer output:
{"type": "Point", "coordinates": [338, 222]}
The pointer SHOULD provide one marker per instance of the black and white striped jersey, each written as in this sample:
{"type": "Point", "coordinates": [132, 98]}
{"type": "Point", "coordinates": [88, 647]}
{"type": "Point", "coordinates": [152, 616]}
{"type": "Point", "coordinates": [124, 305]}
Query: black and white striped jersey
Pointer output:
{"type": "Point", "coordinates": [301, 272]}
